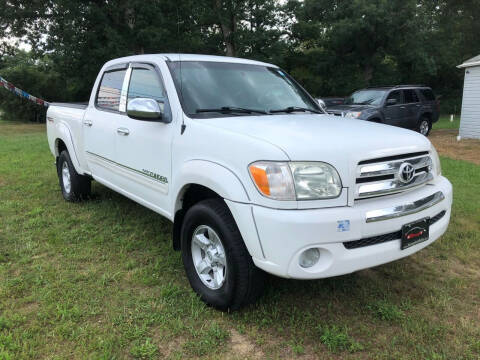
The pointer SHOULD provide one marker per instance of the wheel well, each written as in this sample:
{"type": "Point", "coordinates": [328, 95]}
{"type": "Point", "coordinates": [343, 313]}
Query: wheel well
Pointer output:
{"type": "Point", "coordinates": [60, 146]}
{"type": "Point", "coordinates": [192, 194]}
{"type": "Point", "coordinates": [427, 115]}
{"type": "Point", "coordinates": [376, 120]}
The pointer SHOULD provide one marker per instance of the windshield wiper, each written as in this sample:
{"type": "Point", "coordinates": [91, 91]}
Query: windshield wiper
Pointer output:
{"type": "Point", "coordinates": [291, 109]}
{"type": "Point", "coordinates": [366, 102]}
{"type": "Point", "coordinates": [232, 109]}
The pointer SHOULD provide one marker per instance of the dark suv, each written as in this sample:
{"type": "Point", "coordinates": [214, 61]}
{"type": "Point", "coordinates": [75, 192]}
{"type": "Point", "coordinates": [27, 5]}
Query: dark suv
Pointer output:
{"type": "Point", "coordinates": [409, 106]}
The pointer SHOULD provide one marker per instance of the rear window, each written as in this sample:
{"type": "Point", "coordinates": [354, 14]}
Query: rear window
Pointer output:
{"type": "Point", "coordinates": [108, 96]}
{"type": "Point", "coordinates": [410, 96]}
{"type": "Point", "coordinates": [428, 94]}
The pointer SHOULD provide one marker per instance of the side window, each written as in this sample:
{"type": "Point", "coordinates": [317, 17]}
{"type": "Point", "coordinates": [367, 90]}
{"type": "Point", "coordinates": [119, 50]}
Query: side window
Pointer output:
{"type": "Point", "coordinates": [397, 95]}
{"type": "Point", "coordinates": [428, 94]}
{"type": "Point", "coordinates": [145, 83]}
{"type": "Point", "coordinates": [108, 96]}
{"type": "Point", "coordinates": [410, 96]}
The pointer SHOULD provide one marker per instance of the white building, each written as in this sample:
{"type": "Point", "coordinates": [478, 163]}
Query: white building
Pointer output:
{"type": "Point", "coordinates": [470, 119]}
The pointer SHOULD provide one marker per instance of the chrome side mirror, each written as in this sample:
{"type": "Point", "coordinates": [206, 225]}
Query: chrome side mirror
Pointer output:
{"type": "Point", "coordinates": [321, 103]}
{"type": "Point", "coordinates": [144, 109]}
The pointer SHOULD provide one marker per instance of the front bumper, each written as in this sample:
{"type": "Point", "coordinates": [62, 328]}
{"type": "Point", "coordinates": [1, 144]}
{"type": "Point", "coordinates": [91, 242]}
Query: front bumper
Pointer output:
{"type": "Point", "coordinates": [284, 234]}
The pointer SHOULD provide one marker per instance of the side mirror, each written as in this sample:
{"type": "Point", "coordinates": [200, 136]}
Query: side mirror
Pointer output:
{"type": "Point", "coordinates": [321, 103]}
{"type": "Point", "coordinates": [391, 102]}
{"type": "Point", "coordinates": [144, 109]}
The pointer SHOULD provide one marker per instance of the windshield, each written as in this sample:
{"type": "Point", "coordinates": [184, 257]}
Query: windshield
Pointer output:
{"type": "Point", "coordinates": [366, 97]}
{"type": "Point", "coordinates": [238, 89]}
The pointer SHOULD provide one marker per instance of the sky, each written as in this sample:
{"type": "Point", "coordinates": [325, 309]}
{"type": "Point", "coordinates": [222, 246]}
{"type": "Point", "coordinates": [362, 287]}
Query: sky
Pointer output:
{"type": "Point", "coordinates": [13, 41]}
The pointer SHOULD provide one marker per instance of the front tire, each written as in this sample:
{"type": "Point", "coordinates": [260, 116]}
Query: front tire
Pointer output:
{"type": "Point", "coordinates": [424, 126]}
{"type": "Point", "coordinates": [74, 186]}
{"type": "Point", "coordinates": [217, 263]}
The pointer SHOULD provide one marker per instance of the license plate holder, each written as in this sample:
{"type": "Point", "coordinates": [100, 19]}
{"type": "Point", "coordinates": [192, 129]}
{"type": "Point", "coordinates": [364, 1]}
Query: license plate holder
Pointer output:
{"type": "Point", "coordinates": [415, 233]}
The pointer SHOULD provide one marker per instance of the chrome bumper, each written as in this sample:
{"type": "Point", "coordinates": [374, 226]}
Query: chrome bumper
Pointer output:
{"type": "Point", "coordinates": [405, 209]}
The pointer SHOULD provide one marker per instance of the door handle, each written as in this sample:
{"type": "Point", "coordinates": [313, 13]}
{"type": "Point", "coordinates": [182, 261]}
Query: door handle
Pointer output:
{"type": "Point", "coordinates": [87, 122]}
{"type": "Point", "coordinates": [123, 131]}
{"type": "Point", "coordinates": [402, 107]}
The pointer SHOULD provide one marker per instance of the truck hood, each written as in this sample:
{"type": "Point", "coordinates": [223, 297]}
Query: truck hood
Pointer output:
{"type": "Point", "coordinates": [342, 142]}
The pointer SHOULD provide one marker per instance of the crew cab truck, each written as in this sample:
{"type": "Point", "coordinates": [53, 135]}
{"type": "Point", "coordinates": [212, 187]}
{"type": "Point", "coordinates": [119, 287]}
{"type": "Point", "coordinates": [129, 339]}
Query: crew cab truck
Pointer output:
{"type": "Point", "coordinates": [253, 174]}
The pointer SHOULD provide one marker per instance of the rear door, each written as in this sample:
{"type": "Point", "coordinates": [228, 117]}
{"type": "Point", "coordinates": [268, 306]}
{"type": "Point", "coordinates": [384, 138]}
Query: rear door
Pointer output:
{"type": "Point", "coordinates": [395, 114]}
{"type": "Point", "coordinates": [100, 123]}
{"type": "Point", "coordinates": [413, 108]}
{"type": "Point", "coordinates": [429, 103]}
{"type": "Point", "coordinates": [143, 148]}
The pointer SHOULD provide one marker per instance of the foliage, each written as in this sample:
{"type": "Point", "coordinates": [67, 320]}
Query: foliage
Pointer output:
{"type": "Point", "coordinates": [37, 77]}
{"type": "Point", "coordinates": [331, 46]}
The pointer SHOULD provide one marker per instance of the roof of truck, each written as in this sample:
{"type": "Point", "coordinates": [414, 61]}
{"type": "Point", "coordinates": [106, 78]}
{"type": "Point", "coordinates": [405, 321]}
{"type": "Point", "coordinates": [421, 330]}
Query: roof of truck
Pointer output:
{"type": "Point", "coordinates": [186, 57]}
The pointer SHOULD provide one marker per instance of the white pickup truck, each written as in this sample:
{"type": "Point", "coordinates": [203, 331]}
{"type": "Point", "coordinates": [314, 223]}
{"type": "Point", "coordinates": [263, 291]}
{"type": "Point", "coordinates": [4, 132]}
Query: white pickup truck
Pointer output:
{"type": "Point", "coordinates": [252, 173]}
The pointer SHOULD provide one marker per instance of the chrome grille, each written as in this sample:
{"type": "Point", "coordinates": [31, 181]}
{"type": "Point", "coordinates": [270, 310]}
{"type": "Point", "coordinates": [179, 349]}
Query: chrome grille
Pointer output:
{"type": "Point", "coordinates": [384, 176]}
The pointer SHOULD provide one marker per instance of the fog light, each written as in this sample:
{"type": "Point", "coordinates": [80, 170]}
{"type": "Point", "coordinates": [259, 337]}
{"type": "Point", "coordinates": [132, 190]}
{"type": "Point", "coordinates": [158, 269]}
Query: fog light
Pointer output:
{"type": "Point", "coordinates": [309, 257]}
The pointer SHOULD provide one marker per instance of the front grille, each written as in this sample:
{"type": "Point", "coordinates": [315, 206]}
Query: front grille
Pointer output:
{"type": "Point", "coordinates": [374, 240]}
{"type": "Point", "coordinates": [437, 217]}
{"type": "Point", "coordinates": [388, 175]}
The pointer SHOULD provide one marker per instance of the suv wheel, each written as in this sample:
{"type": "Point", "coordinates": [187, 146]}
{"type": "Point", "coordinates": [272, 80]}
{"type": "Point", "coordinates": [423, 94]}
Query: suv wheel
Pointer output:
{"type": "Point", "coordinates": [424, 126]}
{"type": "Point", "coordinates": [217, 263]}
{"type": "Point", "coordinates": [74, 186]}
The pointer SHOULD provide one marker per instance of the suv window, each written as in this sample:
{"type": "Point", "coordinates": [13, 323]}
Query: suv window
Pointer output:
{"type": "Point", "coordinates": [428, 94]}
{"type": "Point", "coordinates": [410, 96]}
{"type": "Point", "coordinates": [397, 95]}
{"type": "Point", "coordinates": [145, 83]}
{"type": "Point", "coordinates": [108, 96]}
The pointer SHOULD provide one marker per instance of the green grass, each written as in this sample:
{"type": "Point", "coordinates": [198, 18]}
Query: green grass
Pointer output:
{"type": "Point", "coordinates": [445, 123]}
{"type": "Point", "coordinates": [100, 280]}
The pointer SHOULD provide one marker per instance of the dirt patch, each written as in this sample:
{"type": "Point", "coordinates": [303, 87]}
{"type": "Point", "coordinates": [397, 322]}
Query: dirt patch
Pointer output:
{"type": "Point", "coordinates": [28, 308]}
{"type": "Point", "coordinates": [445, 141]}
{"type": "Point", "coordinates": [243, 347]}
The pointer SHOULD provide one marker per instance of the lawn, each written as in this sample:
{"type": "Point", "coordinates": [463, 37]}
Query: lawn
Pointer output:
{"type": "Point", "coordinates": [445, 123]}
{"type": "Point", "coordinates": [100, 280]}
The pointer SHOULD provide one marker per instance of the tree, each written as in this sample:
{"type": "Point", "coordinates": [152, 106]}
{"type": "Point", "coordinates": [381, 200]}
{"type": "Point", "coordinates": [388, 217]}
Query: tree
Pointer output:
{"type": "Point", "coordinates": [33, 75]}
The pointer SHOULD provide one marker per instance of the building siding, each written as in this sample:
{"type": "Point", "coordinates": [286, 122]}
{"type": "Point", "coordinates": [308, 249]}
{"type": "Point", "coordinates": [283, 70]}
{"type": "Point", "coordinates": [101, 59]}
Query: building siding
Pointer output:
{"type": "Point", "coordinates": [470, 118]}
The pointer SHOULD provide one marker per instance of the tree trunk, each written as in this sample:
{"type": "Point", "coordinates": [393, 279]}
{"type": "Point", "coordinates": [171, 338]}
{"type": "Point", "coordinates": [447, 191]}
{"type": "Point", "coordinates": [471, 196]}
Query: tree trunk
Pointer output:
{"type": "Point", "coordinates": [228, 28]}
{"type": "Point", "coordinates": [367, 73]}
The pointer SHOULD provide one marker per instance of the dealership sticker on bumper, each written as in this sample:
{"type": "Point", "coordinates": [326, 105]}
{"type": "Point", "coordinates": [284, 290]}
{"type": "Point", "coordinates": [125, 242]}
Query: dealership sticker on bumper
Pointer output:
{"type": "Point", "coordinates": [343, 225]}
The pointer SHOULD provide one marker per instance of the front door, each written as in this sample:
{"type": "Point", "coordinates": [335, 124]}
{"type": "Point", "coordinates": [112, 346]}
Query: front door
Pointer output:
{"type": "Point", "coordinates": [395, 114]}
{"type": "Point", "coordinates": [143, 148]}
{"type": "Point", "coordinates": [100, 123]}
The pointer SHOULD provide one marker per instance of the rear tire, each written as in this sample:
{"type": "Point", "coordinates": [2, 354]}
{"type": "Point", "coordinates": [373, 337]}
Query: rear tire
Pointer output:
{"type": "Point", "coordinates": [424, 126]}
{"type": "Point", "coordinates": [74, 186]}
{"type": "Point", "coordinates": [210, 224]}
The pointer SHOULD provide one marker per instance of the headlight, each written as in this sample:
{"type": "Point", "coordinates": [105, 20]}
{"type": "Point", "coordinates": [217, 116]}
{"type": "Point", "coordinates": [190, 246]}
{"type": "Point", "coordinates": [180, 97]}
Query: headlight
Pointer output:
{"type": "Point", "coordinates": [353, 114]}
{"type": "Point", "coordinates": [437, 167]}
{"type": "Point", "coordinates": [296, 180]}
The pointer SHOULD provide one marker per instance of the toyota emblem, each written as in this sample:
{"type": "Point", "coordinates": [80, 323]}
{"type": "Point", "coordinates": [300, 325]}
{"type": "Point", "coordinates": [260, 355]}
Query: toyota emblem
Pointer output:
{"type": "Point", "coordinates": [406, 172]}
